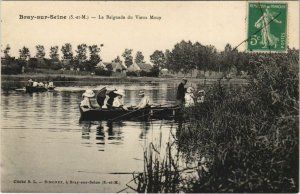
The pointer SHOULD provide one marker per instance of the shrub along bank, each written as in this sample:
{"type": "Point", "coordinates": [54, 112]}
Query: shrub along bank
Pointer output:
{"type": "Point", "coordinates": [245, 139]}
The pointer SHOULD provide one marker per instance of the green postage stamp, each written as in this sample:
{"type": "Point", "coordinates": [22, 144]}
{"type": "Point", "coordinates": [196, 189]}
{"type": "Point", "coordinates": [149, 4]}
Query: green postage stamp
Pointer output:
{"type": "Point", "coordinates": [267, 27]}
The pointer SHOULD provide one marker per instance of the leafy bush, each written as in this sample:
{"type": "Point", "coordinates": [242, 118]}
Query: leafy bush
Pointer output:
{"type": "Point", "coordinates": [131, 73]}
{"type": "Point", "coordinates": [102, 72]}
{"type": "Point", "coordinates": [245, 139]}
{"type": "Point", "coordinates": [55, 66]}
{"type": "Point", "coordinates": [10, 65]}
{"type": "Point", "coordinates": [11, 69]}
{"type": "Point", "coordinates": [249, 134]}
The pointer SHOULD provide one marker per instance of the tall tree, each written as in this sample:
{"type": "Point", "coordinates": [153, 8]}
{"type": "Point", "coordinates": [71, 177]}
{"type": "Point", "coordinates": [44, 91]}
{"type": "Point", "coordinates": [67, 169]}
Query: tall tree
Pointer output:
{"type": "Point", "coordinates": [81, 53]}
{"type": "Point", "coordinates": [67, 51]}
{"type": "Point", "coordinates": [40, 51]}
{"type": "Point", "coordinates": [6, 51]}
{"type": "Point", "coordinates": [24, 53]}
{"type": "Point", "coordinates": [182, 57]}
{"type": "Point", "coordinates": [158, 58]}
{"type": "Point", "coordinates": [127, 55]}
{"type": "Point", "coordinates": [228, 57]}
{"type": "Point", "coordinates": [54, 53]}
{"type": "Point", "coordinates": [139, 57]}
{"type": "Point", "coordinates": [94, 54]}
{"type": "Point", "coordinates": [206, 57]}
{"type": "Point", "coordinates": [168, 59]}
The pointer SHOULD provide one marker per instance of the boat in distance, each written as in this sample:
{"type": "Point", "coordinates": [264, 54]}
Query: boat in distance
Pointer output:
{"type": "Point", "coordinates": [31, 89]}
{"type": "Point", "coordinates": [149, 113]}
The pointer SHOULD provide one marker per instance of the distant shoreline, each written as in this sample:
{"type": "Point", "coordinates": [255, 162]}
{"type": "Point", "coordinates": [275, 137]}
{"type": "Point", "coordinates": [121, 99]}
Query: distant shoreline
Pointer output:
{"type": "Point", "coordinates": [63, 77]}
{"type": "Point", "coordinates": [18, 81]}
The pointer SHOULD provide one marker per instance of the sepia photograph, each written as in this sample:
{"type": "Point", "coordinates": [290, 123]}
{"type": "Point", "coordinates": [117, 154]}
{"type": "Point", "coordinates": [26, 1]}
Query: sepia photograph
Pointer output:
{"type": "Point", "coordinates": [149, 97]}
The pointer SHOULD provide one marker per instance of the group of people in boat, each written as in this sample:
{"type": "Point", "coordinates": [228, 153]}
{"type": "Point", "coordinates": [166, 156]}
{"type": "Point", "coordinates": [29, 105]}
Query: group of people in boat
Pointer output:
{"type": "Point", "coordinates": [114, 100]}
{"type": "Point", "coordinates": [44, 84]}
{"type": "Point", "coordinates": [187, 97]}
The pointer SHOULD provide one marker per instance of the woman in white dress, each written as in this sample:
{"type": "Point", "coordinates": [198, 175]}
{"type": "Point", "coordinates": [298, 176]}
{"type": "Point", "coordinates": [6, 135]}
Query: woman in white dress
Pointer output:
{"type": "Point", "coordinates": [86, 102]}
{"type": "Point", "coordinates": [118, 101]}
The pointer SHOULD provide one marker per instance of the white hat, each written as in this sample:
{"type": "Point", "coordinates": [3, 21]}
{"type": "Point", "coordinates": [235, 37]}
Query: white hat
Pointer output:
{"type": "Point", "coordinates": [201, 91]}
{"type": "Point", "coordinates": [189, 90]}
{"type": "Point", "coordinates": [89, 93]}
{"type": "Point", "coordinates": [142, 92]}
{"type": "Point", "coordinates": [120, 92]}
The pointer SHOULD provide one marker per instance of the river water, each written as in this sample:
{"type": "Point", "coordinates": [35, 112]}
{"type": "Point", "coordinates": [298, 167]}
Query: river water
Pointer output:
{"type": "Point", "coordinates": [45, 148]}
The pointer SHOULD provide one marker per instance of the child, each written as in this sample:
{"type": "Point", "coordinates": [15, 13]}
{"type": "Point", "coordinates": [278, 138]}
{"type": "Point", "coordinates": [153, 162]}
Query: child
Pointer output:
{"type": "Point", "coordinates": [189, 97]}
{"type": "Point", "coordinates": [200, 98]}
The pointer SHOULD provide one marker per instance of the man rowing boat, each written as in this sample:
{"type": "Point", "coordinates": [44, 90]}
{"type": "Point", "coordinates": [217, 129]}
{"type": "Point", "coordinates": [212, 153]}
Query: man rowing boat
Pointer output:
{"type": "Point", "coordinates": [145, 101]}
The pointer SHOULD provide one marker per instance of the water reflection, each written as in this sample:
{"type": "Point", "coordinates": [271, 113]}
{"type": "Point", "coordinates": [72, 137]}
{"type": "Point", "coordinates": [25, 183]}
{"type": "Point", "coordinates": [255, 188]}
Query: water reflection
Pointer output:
{"type": "Point", "coordinates": [112, 132]}
{"type": "Point", "coordinates": [86, 129]}
{"type": "Point", "coordinates": [145, 127]}
{"type": "Point", "coordinates": [100, 135]}
{"type": "Point", "coordinates": [105, 132]}
{"type": "Point", "coordinates": [45, 125]}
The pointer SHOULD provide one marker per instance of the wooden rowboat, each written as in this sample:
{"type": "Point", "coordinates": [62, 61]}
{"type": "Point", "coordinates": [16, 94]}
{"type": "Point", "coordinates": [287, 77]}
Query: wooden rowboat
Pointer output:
{"type": "Point", "coordinates": [155, 113]}
{"type": "Point", "coordinates": [31, 89]}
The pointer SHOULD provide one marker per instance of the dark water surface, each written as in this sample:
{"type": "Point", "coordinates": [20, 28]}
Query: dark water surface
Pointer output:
{"type": "Point", "coordinates": [42, 140]}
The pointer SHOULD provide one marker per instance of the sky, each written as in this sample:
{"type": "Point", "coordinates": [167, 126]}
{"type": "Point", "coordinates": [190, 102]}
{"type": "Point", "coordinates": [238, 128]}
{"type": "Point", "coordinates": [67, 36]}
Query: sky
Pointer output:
{"type": "Point", "coordinates": [216, 23]}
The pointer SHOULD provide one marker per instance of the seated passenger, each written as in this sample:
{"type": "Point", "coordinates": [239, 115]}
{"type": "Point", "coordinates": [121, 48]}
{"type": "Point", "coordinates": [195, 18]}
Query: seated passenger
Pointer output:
{"type": "Point", "coordinates": [111, 96]}
{"type": "Point", "coordinates": [41, 84]}
{"type": "Point", "coordinates": [30, 82]}
{"type": "Point", "coordinates": [101, 96]}
{"type": "Point", "coordinates": [189, 97]}
{"type": "Point", "coordinates": [50, 85]}
{"type": "Point", "coordinates": [145, 101]}
{"type": "Point", "coordinates": [35, 83]}
{"type": "Point", "coordinates": [118, 101]}
{"type": "Point", "coordinates": [200, 98]}
{"type": "Point", "coordinates": [46, 85]}
{"type": "Point", "coordinates": [86, 102]}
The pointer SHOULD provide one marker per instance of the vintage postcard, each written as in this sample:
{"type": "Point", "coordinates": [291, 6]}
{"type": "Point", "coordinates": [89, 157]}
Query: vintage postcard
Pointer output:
{"type": "Point", "coordinates": [150, 97]}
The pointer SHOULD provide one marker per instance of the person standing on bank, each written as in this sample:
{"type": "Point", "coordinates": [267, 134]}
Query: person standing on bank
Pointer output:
{"type": "Point", "coordinates": [181, 92]}
{"type": "Point", "coordinates": [145, 101]}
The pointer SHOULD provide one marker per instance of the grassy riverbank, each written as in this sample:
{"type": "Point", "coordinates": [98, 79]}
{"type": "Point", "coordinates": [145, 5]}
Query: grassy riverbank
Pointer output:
{"type": "Point", "coordinates": [243, 139]}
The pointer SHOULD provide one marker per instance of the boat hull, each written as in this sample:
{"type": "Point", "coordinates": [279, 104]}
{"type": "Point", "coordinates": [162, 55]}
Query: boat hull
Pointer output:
{"type": "Point", "coordinates": [157, 113]}
{"type": "Point", "coordinates": [31, 89]}
{"type": "Point", "coordinates": [35, 89]}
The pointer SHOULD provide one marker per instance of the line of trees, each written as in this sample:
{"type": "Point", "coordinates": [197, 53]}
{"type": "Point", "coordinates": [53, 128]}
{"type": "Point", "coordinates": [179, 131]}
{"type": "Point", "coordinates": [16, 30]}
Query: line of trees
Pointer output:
{"type": "Point", "coordinates": [187, 56]}
{"type": "Point", "coordinates": [80, 60]}
{"type": "Point", "coordinates": [80, 57]}
{"type": "Point", "coordinates": [184, 57]}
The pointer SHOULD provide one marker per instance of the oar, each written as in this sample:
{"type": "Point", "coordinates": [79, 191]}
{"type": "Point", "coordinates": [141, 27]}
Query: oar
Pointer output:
{"type": "Point", "coordinates": [158, 105]}
{"type": "Point", "coordinates": [149, 113]}
{"type": "Point", "coordinates": [131, 113]}
{"type": "Point", "coordinates": [124, 115]}
{"type": "Point", "coordinates": [152, 112]}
